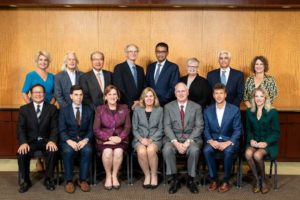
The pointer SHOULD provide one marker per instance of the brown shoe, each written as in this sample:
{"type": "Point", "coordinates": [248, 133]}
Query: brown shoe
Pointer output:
{"type": "Point", "coordinates": [84, 186]}
{"type": "Point", "coordinates": [70, 187]}
{"type": "Point", "coordinates": [255, 189]}
{"type": "Point", "coordinates": [224, 187]}
{"type": "Point", "coordinates": [212, 186]}
{"type": "Point", "coordinates": [265, 189]}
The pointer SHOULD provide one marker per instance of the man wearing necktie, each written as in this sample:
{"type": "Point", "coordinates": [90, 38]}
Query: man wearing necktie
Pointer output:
{"type": "Point", "coordinates": [75, 130]}
{"type": "Point", "coordinates": [233, 79]}
{"type": "Point", "coordinates": [183, 126]}
{"type": "Point", "coordinates": [37, 131]}
{"type": "Point", "coordinates": [129, 77]}
{"type": "Point", "coordinates": [162, 75]}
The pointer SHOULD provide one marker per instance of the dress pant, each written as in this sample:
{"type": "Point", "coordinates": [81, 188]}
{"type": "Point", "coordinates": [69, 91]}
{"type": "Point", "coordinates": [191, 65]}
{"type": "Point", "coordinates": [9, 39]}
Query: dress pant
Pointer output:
{"type": "Point", "coordinates": [169, 153]}
{"type": "Point", "coordinates": [24, 160]}
{"type": "Point", "coordinates": [209, 153]}
{"type": "Point", "coordinates": [69, 155]}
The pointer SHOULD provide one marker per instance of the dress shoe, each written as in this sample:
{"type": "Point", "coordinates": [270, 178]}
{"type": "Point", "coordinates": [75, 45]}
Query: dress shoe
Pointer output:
{"type": "Point", "coordinates": [50, 184]}
{"type": "Point", "coordinates": [174, 186]}
{"type": "Point", "coordinates": [116, 187]}
{"type": "Point", "coordinates": [212, 186]}
{"type": "Point", "coordinates": [224, 187]}
{"type": "Point", "coordinates": [24, 187]}
{"type": "Point", "coordinates": [265, 189]}
{"type": "Point", "coordinates": [70, 187]}
{"type": "Point", "coordinates": [146, 186]}
{"type": "Point", "coordinates": [256, 188]}
{"type": "Point", "coordinates": [192, 186]}
{"type": "Point", "coordinates": [84, 186]}
{"type": "Point", "coordinates": [153, 186]}
{"type": "Point", "coordinates": [108, 187]}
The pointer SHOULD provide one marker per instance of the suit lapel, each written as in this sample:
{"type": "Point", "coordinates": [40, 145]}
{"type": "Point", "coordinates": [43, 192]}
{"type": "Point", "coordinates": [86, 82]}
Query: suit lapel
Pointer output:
{"type": "Point", "coordinates": [76, 77]}
{"type": "Point", "coordinates": [130, 76]}
{"type": "Point", "coordinates": [187, 113]}
{"type": "Point", "coordinates": [144, 117]}
{"type": "Point", "coordinates": [215, 117]}
{"type": "Point", "coordinates": [44, 112]}
{"type": "Point", "coordinates": [226, 112]}
{"type": "Point", "coordinates": [106, 78]}
{"type": "Point", "coordinates": [229, 78]}
{"type": "Point", "coordinates": [72, 114]}
{"type": "Point", "coordinates": [95, 81]}
{"type": "Point", "coordinates": [67, 78]}
{"type": "Point", "coordinates": [33, 113]}
{"type": "Point", "coordinates": [177, 113]}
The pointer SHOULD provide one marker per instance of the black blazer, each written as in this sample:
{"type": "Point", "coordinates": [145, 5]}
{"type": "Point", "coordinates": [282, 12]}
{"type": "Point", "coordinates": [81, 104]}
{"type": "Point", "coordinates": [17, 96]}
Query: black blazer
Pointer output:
{"type": "Point", "coordinates": [123, 79]}
{"type": "Point", "coordinates": [28, 129]}
{"type": "Point", "coordinates": [92, 94]}
{"type": "Point", "coordinates": [200, 90]}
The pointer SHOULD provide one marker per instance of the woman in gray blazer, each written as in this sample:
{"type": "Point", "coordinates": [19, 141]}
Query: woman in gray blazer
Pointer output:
{"type": "Point", "coordinates": [147, 128]}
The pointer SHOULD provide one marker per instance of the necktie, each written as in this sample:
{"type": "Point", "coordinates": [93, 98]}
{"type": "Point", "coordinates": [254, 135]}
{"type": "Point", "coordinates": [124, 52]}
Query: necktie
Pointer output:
{"type": "Point", "coordinates": [134, 73]}
{"type": "Point", "coordinates": [99, 81]}
{"type": "Point", "coordinates": [157, 73]}
{"type": "Point", "coordinates": [38, 112]}
{"type": "Point", "coordinates": [223, 78]}
{"type": "Point", "coordinates": [182, 116]}
{"type": "Point", "coordinates": [78, 116]}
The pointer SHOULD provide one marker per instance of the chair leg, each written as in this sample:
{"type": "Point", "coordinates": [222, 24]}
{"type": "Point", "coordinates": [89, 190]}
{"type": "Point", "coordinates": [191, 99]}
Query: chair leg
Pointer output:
{"type": "Point", "coordinates": [95, 169]}
{"type": "Point", "coordinates": [128, 169]}
{"type": "Point", "coordinates": [271, 169]}
{"type": "Point", "coordinates": [275, 176]}
{"type": "Point", "coordinates": [164, 173]}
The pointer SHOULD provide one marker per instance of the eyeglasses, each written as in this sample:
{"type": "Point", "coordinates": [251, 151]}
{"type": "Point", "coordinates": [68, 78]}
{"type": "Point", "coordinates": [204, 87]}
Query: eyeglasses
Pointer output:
{"type": "Point", "coordinates": [194, 67]}
{"type": "Point", "coordinates": [97, 59]}
{"type": "Point", "coordinates": [134, 52]}
{"type": "Point", "coordinates": [161, 51]}
{"type": "Point", "coordinates": [37, 92]}
{"type": "Point", "coordinates": [224, 58]}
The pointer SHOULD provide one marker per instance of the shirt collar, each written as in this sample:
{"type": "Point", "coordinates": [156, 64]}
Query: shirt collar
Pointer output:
{"type": "Point", "coordinates": [162, 63]}
{"type": "Point", "coordinates": [41, 105]}
{"type": "Point", "coordinates": [96, 72]}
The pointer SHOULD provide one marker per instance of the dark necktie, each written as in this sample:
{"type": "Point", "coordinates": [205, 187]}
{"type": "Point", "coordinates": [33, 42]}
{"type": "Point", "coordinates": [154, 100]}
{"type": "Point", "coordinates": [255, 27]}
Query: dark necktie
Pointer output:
{"type": "Point", "coordinates": [157, 73]}
{"type": "Point", "coordinates": [134, 73]}
{"type": "Point", "coordinates": [78, 116]}
{"type": "Point", "coordinates": [38, 113]}
{"type": "Point", "coordinates": [182, 116]}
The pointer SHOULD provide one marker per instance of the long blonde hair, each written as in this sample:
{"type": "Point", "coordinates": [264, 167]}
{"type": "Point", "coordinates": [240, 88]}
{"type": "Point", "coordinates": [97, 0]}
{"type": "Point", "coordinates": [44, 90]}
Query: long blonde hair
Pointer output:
{"type": "Point", "coordinates": [143, 96]}
{"type": "Point", "coordinates": [267, 104]}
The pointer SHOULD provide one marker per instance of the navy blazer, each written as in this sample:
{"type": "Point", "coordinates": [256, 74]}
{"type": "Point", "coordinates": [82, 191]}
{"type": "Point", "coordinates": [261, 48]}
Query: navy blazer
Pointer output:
{"type": "Point", "coordinates": [230, 128]}
{"type": "Point", "coordinates": [234, 86]}
{"type": "Point", "coordinates": [68, 128]}
{"type": "Point", "coordinates": [123, 79]}
{"type": "Point", "coordinates": [168, 78]}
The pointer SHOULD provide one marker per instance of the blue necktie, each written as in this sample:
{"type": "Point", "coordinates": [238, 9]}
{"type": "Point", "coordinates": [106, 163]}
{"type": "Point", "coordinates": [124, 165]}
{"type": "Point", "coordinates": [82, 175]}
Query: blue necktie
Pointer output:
{"type": "Point", "coordinates": [134, 73]}
{"type": "Point", "coordinates": [223, 78]}
{"type": "Point", "coordinates": [157, 73]}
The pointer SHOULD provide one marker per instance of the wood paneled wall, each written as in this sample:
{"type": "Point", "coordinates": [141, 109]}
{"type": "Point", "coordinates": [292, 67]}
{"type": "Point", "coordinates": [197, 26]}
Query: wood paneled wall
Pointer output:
{"type": "Point", "coordinates": [197, 33]}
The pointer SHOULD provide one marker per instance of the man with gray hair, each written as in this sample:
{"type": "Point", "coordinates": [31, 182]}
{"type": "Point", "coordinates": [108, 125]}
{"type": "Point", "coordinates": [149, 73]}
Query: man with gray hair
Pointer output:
{"type": "Point", "coordinates": [233, 79]}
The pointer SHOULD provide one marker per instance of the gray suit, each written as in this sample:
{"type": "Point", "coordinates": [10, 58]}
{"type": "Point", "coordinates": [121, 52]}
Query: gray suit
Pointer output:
{"type": "Point", "coordinates": [152, 129]}
{"type": "Point", "coordinates": [193, 127]}
{"type": "Point", "coordinates": [62, 87]}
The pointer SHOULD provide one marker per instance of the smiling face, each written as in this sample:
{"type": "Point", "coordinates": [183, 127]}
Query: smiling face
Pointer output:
{"type": "Point", "coordinates": [71, 61]}
{"type": "Point", "coordinates": [259, 66]}
{"type": "Point", "coordinates": [37, 94]}
{"type": "Point", "coordinates": [259, 98]}
{"type": "Point", "coordinates": [192, 68]}
{"type": "Point", "coordinates": [112, 97]}
{"type": "Point", "coordinates": [42, 62]}
{"type": "Point", "coordinates": [97, 61]}
{"type": "Point", "coordinates": [181, 92]}
{"type": "Point", "coordinates": [132, 53]}
{"type": "Point", "coordinates": [219, 96]}
{"type": "Point", "coordinates": [224, 60]}
{"type": "Point", "coordinates": [161, 53]}
{"type": "Point", "coordinates": [149, 99]}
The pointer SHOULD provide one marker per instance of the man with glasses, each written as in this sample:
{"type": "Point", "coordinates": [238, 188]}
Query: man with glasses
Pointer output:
{"type": "Point", "coordinates": [94, 82]}
{"type": "Point", "coordinates": [233, 79]}
{"type": "Point", "coordinates": [129, 77]}
{"type": "Point", "coordinates": [37, 131]}
{"type": "Point", "coordinates": [163, 75]}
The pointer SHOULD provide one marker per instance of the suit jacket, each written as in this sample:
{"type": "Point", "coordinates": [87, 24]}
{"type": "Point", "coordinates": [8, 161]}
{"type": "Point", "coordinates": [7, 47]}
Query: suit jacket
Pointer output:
{"type": "Point", "coordinates": [230, 128]}
{"type": "Point", "coordinates": [199, 91]}
{"type": "Point", "coordinates": [168, 78]}
{"type": "Point", "coordinates": [234, 86]}
{"type": "Point", "coordinates": [193, 122]}
{"type": "Point", "coordinates": [93, 95]}
{"type": "Point", "coordinates": [152, 129]}
{"type": "Point", "coordinates": [29, 129]}
{"type": "Point", "coordinates": [264, 130]}
{"type": "Point", "coordinates": [123, 79]}
{"type": "Point", "coordinates": [68, 128]}
{"type": "Point", "coordinates": [62, 85]}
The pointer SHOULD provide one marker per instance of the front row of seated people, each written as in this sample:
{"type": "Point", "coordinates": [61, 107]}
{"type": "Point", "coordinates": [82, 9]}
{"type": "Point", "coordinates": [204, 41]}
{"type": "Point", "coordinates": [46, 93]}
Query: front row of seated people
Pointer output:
{"type": "Point", "coordinates": [175, 131]}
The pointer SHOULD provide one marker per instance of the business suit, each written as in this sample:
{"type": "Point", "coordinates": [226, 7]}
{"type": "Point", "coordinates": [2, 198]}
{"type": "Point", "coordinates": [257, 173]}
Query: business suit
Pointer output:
{"type": "Point", "coordinates": [266, 129]}
{"type": "Point", "coordinates": [152, 129]}
{"type": "Point", "coordinates": [124, 80]}
{"type": "Point", "coordinates": [234, 85]}
{"type": "Point", "coordinates": [62, 85]}
{"type": "Point", "coordinates": [37, 133]}
{"type": "Point", "coordinates": [92, 93]}
{"type": "Point", "coordinates": [68, 129]}
{"type": "Point", "coordinates": [230, 130]}
{"type": "Point", "coordinates": [200, 91]}
{"type": "Point", "coordinates": [193, 127]}
{"type": "Point", "coordinates": [168, 78]}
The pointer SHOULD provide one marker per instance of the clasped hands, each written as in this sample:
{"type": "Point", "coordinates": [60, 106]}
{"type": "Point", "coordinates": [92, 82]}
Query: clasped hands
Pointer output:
{"type": "Point", "coordinates": [145, 141]}
{"type": "Point", "coordinates": [77, 145]}
{"type": "Point", "coordinates": [260, 145]}
{"type": "Point", "coordinates": [113, 140]}
{"type": "Point", "coordinates": [182, 147]}
{"type": "Point", "coordinates": [219, 145]}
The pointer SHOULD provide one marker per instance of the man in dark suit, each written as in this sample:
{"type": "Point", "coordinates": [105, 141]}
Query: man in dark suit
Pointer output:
{"type": "Point", "coordinates": [183, 126]}
{"type": "Point", "coordinates": [163, 75]}
{"type": "Point", "coordinates": [75, 130]}
{"type": "Point", "coordinates": [37, 131]}
{"type": "Point", "coordinates": [129, 77]}
{"type": "Point", "coordinates": [66, 78]}
{"type": "Point", "coordinates": [94, 82]}
{"type": "Point", "coordinates": [231, 78]}
{"type": "Point", "coordinates": [221, 133]}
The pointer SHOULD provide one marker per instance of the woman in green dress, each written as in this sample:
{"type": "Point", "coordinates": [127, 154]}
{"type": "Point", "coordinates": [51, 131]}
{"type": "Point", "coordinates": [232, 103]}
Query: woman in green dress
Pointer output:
{"type": "Point", "coordinates": [262, 129]}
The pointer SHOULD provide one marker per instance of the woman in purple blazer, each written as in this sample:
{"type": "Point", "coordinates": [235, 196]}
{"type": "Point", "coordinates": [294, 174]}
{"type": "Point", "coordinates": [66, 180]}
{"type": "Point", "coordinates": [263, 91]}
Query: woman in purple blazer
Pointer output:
{"type": "Point", "coordinates": [111, 127]}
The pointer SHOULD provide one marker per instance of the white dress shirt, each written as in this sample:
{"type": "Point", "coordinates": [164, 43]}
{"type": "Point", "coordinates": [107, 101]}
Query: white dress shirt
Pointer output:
{"type": "Point", "coordinates": [220, 113]}
{"type": "Point", "coordinates": [72, 75]}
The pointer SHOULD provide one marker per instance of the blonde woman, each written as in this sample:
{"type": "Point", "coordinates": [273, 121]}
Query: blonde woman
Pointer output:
{"type": "Point", "coordinates": [148, 131]}
{"type": "Point", "coordinates": [262, 129]}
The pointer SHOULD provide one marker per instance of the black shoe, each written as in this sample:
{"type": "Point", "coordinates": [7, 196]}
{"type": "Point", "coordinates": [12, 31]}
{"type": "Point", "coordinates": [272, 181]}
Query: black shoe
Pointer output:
{"type": "Point", "coordinates": [174, 186]}
{"type": "Point", "coordinates": [192, 186]}
{"type": "Point", "coordinates": [146, 186]}
{"type": "Point", "coordinates": [154, 186]}
{"type": "Point", "coordinates": [49, 184]}
{"type": "Point", "coordinates": [116, 187]}
{"type": "Point", "coordinates": [24, 187]}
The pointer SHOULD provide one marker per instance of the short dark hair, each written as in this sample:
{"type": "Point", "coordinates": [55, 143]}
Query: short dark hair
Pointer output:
{"type": "Point", "coordinates": [162, 44]}
{"type": "Point", "coordinates": [37, 85]}
{"type": "Point", "coordinates": [263, 59]}
{"type": "Point", "coordinates": [220, 86]}
{"type": "Point", "coordinates": [75, 87]}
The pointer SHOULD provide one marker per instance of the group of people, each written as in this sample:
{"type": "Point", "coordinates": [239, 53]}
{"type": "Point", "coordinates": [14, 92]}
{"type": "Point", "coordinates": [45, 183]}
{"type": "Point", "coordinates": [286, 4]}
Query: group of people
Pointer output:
{"type": "Point", "coordinates": [163, 112]}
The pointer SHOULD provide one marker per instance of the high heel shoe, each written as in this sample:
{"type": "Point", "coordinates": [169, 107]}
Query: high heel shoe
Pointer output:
{"type": "Point", "coordinates": [116, 187]}
{"type": "Point", "coordinates": [108, 187]}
